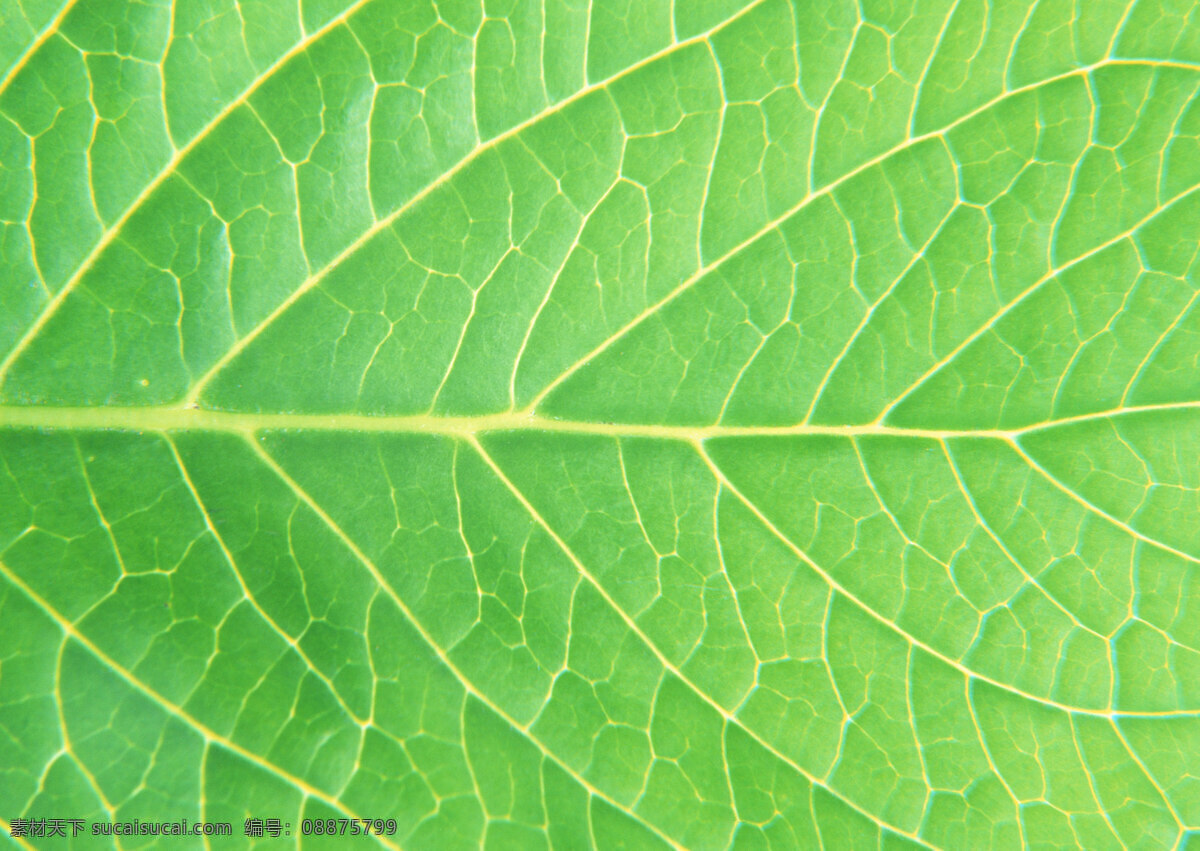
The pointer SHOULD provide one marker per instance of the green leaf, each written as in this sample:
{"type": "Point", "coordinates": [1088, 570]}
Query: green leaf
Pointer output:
{"type": "Point", "coordinates": [623, 424]}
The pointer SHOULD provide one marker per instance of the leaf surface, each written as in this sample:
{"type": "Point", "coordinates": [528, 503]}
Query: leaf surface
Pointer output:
{"type": "Point", "coordinates": [693, 424]}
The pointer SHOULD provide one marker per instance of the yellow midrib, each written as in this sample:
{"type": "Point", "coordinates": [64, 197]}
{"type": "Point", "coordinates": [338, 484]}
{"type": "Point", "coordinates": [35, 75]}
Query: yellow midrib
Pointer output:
{"type": "Point", "coordinates": [182, 418]}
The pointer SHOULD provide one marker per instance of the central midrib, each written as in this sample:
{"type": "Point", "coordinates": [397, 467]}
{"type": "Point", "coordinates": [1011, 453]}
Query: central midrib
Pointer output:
{"type": "Point", "coordinates": [194, 418]}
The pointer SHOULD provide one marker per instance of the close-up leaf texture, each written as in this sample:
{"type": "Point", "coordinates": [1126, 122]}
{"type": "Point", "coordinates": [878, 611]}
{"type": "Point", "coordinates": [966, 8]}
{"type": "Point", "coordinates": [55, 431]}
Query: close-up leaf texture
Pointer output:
{"type": "Point", "coordinates": [616, 424]}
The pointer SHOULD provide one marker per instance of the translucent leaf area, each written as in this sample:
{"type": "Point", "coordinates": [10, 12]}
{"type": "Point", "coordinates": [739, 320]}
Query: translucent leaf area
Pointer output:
{"type": "Point", "coordinates": [617, 424]}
